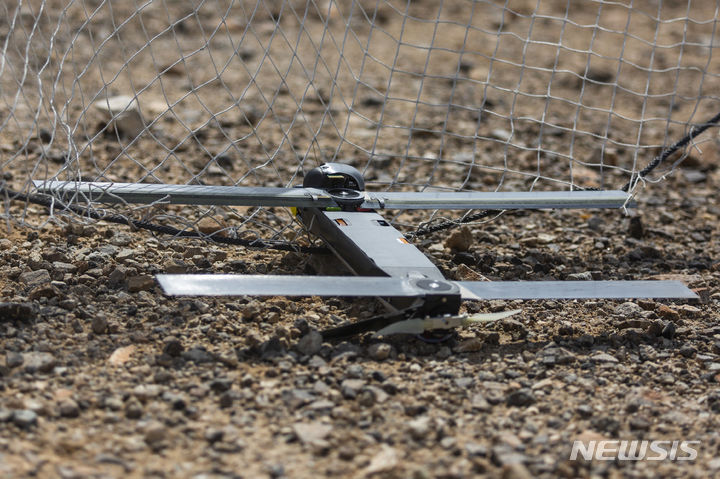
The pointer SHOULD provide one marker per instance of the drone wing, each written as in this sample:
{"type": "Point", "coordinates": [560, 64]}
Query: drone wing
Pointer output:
{"type": "Point", "coordinates": [502, 200]}
{"type": "Point", "coordinates": [146, 193]}
{"type": "Point", "coordinates": [369, 286]}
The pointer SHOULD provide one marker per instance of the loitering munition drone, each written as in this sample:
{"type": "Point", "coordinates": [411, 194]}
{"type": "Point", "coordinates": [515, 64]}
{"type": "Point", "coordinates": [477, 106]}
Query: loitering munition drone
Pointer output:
{"type": "Point", "coordinates": [333, 204]}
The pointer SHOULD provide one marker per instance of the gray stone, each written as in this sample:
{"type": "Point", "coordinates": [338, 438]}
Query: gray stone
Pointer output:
{"type": "Point", "coordinates": [603, 358]}
{"type": "Point", "coordinates": [311, 433]}
{"type": "Point", "coordinates": [172, 346]}
{"type": "Point", "coordinates": [521, 397]}
{"type": "Point", "coordinates": [39, 362]}
{"type": "Point", "coordinates": [420, 427]}
{"type": "Point", "coordinates": [351, 387]}
{"type": "Point", "coordinates": [379, 351]}
{"type": "Point", "coordinates": [13, 359]}
{"type": "Point", "coordinates": [99, 324]}
{"type": "Point", "coordinates": [13, 311]}
{"type": "Point", "coordinates": [69, 408]}
{"type": "Point", "coordinates": [310, 343]}
{"type": "Point", "coordinates": [24, 418]}
{"type": "Point", "coordinates": [628, 310]}
{"type": "Point", "coordinates": [33, 279]}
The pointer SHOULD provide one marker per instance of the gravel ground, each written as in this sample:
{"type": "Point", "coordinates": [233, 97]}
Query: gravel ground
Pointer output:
{"type": "Point", "coordinates": [104, 376]}
{"type": "Point", "coordinates": [101, 375]}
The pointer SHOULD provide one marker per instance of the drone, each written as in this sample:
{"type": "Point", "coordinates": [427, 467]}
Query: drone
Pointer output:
{"type": "Point", "coordinates": [333, 205]}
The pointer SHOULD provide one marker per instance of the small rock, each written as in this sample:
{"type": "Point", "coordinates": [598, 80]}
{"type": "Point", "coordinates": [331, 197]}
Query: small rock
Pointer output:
{"type": "Point", "coordinates": [310, 344]}
{"type": "Point", "coordinates": [635, 229]}
{"type": "Point", "coordinates": [460, 240]}
{"type": "Point", "coordinates": [515, 471]}
{"type": "Point", "coordinates": [122, 115]}
{"type": "Point", "coordinates": [13, 311]}
{"type": "Point", "coordinates": [121, 355]}
{"type": "Point", "coordinates": [120, 238]}
{"type": "Point", "coordinates": [419, 427]}
{"type": "Point", "coordinates": [384, 461]}
{"type": "Point", "coordinates": [198, 355]}
{"type": "Point", "coordinates": [379, 351]}
{"type": "Point", "coordinates": [226, 399]}
{"type": "Point", "coordinates": [521, 397]}
{"type": "Point", "coordinates": [584, 276]}
{"type": "Point", "coordinates": [595, 223]}
{"type": "Point", "coordinates": [24, 418]}
{"type": "Point", "coordinates": [479, 402]}
{"type": "Point", "coordinates": [38, 362]}
{"type": "Point", "coordinates": [465, 273]}
{"type": "Point", "coordinates": [211, 226]}
{"type": "Point", "coordinates": [666, 312]}
{"type": "Point", "coordinates": [172, 346]}
{"type": "Point", "coordinates": [13, 359]}
{"type": "Point", "coordinates": [155, 432]}
{"type": "Point", "coordinates": [584, 410]}
{"type": "Point", "coordinates": [36, 278]}
{"type": "Point", "coordinates": [99, 324]}
{"type": "Point", "coordinates": [69, 408]}
{"type": "Point", "coordinates": [628, 310]}
{"type": "Point", "coordinates": [688, 350]}
{"type": "Point", "coordinates": [689, 311]}
{"type": "Point", "coordinates": [603, 358]}
{"type": "Point", "coordinates": [140, 283]}
{"type": "Point", "coordinates": [669, 330]}
{"type": "Point", "coordinates": [311, 433]}
{"type": "Point", "coordinates": [351, 387]}
{"type": "Point", "coordinates": [133, 409]}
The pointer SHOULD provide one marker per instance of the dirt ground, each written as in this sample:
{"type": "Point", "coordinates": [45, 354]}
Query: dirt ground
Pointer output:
{"type": "Point", "coordinates": [101, 375]}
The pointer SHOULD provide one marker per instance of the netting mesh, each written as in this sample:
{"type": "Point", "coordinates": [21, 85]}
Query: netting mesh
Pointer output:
{"type": "Point", "coordinates": [483, 95]}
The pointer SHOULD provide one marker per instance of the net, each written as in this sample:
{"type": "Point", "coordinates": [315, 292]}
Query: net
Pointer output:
{"type": "Point", "coordinates": [451, 95]}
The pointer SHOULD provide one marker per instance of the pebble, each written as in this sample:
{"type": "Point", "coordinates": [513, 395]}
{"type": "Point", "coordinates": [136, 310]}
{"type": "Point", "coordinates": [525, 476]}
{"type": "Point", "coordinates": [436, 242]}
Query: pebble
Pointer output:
{"type": "Point", "coordinates": [515, 471]}
{"type": "Point", "coordinates": [15, 311]}
{"type": "Point", "coordinates": [13, 359]}
{"type": "Point", "coordinates": [35, 278]}
{"type": "Point", "coordinates": [121, 238]}
{"type": "Point", "coordinates": [99, 324]}
{"type": "Point", "coordinates": [669, 330]}
{"type": "Point", "coordinates": [155, 432]}
{"type": "Point", "coordinates": [460, 240]}
{"type": "Point", "coordinates": [351, 387]}
{"type": "Point", "coordinates": [603, 358]}
{"type": "Point", "coordinates": [379, 351]}
{"type": "Point", "coordinates": [419, 427]}
{"type": "Point", "coordinates": [172, 346]}
{"type": "Point", "coordinates": [628, 310]}
{"type": "Point", "coordinates": [140, 283]}
{"type": "Point", "coordinates": [311, 433]}
{"type": "Point", "coordinates": [384, 461]}
{"type": "Point", "coordinates": [521, 397]}
{"type": "Point", "coordinates": [122, 116]}
{"type": "Point", "coordinates": [42, 362]}
{"type": "Point", "coordinates": [69, 408]}
{"type": "Point", "coordinates": [310, 344]}
{"type": "Point", "coordinates": [584, 276]}
{"type": "Point", "coordinates": [24, 418]}
{"type": "Point", "coordinates": [666, 312]}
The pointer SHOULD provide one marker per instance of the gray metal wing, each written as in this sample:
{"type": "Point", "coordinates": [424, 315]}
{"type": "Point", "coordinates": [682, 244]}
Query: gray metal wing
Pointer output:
{"type": "Point", "coordinates": [275, 285]}
{"type": "Point", "coordinates": [146, 193]}
{"type": "Point", "coordinates": [270, 285]}
{"type": "Point", "coordinates": [501, 200]}
{"type": "Point", "coordinates": [484, 290]}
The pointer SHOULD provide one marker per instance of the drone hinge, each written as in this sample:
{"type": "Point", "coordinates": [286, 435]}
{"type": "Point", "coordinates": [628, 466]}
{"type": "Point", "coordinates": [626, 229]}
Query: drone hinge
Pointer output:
{"type": "Point", "coordinates": [435, 298]}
